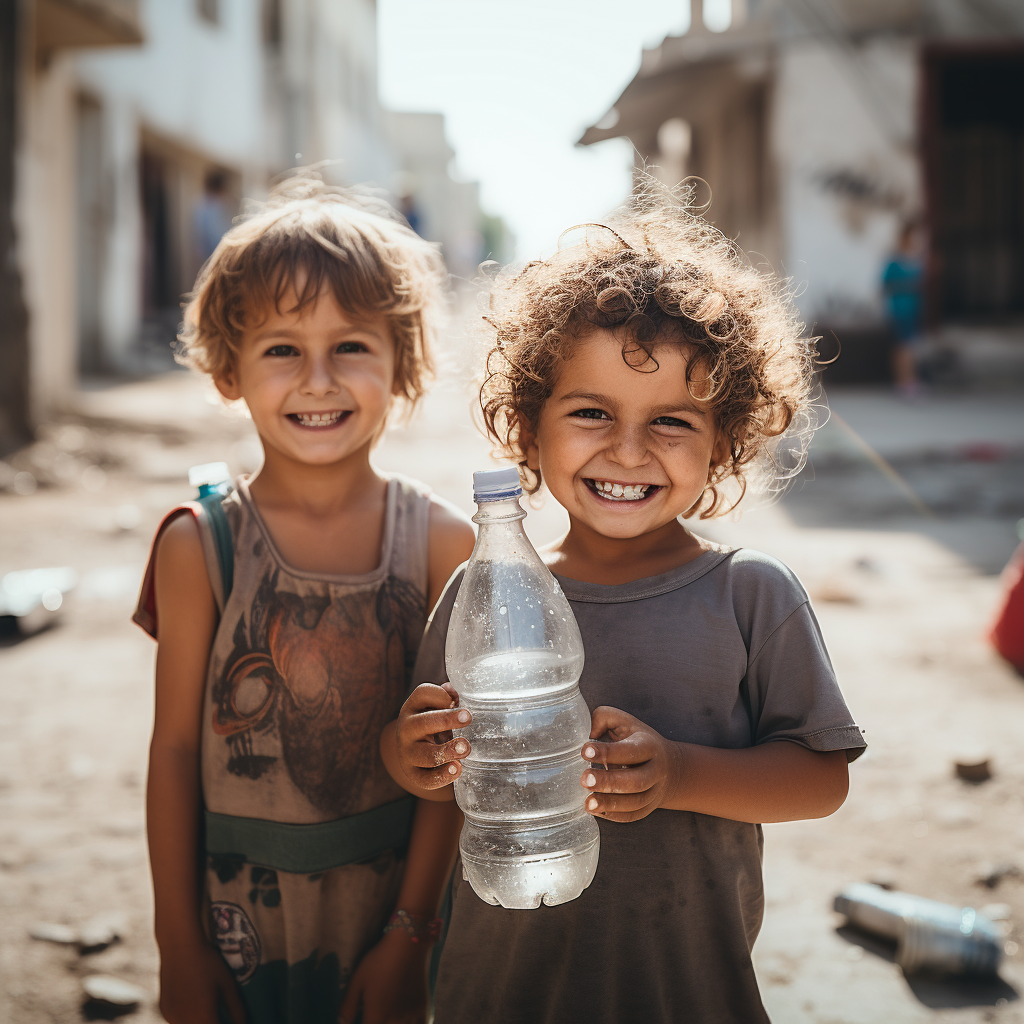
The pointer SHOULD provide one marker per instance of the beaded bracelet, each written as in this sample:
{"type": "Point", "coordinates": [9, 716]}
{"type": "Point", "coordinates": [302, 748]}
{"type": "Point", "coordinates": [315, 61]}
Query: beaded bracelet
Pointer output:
{"type": "Point", "coordinates": [419, 928]}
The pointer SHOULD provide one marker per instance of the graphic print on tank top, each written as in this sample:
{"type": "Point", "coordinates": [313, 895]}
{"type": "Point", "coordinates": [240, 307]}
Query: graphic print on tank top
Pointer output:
{"type": "Point", "coordinates": [309, 678]}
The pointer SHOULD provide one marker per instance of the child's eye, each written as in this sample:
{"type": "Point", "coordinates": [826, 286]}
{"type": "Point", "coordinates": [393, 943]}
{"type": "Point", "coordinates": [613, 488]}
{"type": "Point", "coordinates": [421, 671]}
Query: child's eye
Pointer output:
{"type": "Point", "coordinates": [348, 347]}
{"type": "Point", "coordinates": [672, 421]}
{"type": "Point", "coordinates": [590, 414]}
{"type": "Point", "coordinates": [282, 350]}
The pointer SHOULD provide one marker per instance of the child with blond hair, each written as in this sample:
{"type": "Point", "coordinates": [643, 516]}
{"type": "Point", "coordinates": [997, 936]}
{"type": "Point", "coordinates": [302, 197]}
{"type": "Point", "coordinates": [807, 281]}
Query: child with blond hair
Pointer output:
{"type": "Point", "coordinates": [294, 881]}
{"type": "Point", "coordinates": [644, 373]}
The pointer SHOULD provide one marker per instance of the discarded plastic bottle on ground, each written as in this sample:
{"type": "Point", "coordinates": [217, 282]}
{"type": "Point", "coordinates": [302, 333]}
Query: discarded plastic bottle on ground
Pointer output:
{"type": "Point", "coordinates": [514, 653]}
{"type": "Point", "coordinates": [929, 935]}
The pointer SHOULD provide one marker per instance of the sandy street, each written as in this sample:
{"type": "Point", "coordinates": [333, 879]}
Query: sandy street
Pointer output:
{"type": "Point", "coordinates": [903, 600]}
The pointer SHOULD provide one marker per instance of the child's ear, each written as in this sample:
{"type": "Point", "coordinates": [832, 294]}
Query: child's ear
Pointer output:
{"type": "Point", "coordinates": [227, 384]}
{"type": "Point", "coordinates": [719, 454]}
{"type": "Point", "coordinates": [527, 442]}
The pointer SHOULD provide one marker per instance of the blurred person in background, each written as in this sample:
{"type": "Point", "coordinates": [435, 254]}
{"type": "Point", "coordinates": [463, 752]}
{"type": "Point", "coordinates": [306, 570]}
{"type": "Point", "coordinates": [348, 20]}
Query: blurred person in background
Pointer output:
{"type": "Point", "coordinates": [213, 214]}
{"type": "Point", "coordinates": [902, 285]}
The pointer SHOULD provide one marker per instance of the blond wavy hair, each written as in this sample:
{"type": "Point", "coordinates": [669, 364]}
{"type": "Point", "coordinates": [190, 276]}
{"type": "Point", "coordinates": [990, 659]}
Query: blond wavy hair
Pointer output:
{"type": "Point", "coordinates": [657, 272]}
{"type": "Point", "coordinates": [307, 237]}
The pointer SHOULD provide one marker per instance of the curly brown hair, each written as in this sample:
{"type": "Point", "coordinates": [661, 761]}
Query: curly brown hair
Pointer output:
{"type": "Point", "coordinates": [309, 236]}
{"type": "Point", "coordinates": [658, 272]}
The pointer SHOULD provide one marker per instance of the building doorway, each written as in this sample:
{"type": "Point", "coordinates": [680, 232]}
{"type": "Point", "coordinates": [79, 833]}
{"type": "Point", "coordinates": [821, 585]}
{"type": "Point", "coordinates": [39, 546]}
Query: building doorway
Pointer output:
{"type": "Point", "coordinates": [91, 229]}
{"type": "Point", "coordinates": [187, 203]}
{"type": "Point", "coordinates": [973, 140]}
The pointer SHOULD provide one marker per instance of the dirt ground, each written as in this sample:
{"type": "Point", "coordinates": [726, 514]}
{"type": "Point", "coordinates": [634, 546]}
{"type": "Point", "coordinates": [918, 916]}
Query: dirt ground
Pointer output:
{"type": "Point", "coordinates": [903, 597]}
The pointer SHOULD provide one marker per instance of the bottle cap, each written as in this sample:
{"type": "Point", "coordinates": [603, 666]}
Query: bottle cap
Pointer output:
{"type": "Point", "coordinates": [496, 484]}
{"type": "Point", "coordinates": [209, 473]}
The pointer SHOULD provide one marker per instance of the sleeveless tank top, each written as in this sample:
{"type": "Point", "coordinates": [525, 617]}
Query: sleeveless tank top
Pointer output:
{"type": "Point", "coordinates": [307, 668]}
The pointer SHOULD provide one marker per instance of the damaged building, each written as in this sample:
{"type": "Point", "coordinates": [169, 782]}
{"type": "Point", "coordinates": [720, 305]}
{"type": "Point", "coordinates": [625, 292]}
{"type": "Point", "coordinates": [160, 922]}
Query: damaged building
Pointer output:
{"type": "Point", "coordinates": [822, 126]}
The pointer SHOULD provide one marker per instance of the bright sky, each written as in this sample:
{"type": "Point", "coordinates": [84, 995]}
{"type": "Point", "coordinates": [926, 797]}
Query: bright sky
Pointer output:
{"type": "Point", "coordinates": [519, 82]}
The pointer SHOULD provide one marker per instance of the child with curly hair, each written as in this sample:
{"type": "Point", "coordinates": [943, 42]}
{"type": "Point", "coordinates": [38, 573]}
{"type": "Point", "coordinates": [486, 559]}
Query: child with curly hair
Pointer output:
{"type": "Point", "coordinates": [287, 615]}
{"type": "Point", "coordinates": [641, 372]}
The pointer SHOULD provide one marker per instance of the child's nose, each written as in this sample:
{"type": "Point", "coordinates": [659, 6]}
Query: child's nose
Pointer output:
{"type": "Point", "coordinates": [629, 446]}
{"type": "Point", "coordinates": [319, 378]}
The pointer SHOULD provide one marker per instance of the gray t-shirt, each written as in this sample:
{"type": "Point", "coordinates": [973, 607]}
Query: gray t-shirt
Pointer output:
{"type": "Point", "coordinates": [723, 651]}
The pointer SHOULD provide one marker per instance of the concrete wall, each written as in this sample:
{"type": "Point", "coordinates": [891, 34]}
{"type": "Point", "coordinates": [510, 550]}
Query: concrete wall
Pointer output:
{"type": "Point", "coordinates": [843, 134]}
{"type": "Point", "coordinates": [44, 213]}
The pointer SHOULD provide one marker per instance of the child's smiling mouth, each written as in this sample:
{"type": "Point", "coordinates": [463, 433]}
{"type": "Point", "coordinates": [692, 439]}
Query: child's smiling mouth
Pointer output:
{"type": "Point", "coordinates": [611, 491]}
{"type": "Point", "coordinates": [319, 420]}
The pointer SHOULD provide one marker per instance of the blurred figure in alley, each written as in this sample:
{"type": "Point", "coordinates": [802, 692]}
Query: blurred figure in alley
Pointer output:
{"type": "Point", "coordinates": [902, 281]}
{"type": "Point", "coordinates": [213, 214]}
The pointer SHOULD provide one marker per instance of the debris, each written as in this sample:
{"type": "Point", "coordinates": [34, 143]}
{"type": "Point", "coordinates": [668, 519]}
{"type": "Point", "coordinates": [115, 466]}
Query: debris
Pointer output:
{"type": "Point", "coordinates": [991, 875]}
{"type": "Point", "coordinates": [97, 934]}
{"type": "Point", "coordinates": [929, 935]}
{"type": "Point", "coordinates": [973, 767]}
{"type": "Point", "coordinates": [47, 931]}
{"type": "Point", "coordinates": [109, 991]}
{"type": "Point", "coordinates": [34, 596]}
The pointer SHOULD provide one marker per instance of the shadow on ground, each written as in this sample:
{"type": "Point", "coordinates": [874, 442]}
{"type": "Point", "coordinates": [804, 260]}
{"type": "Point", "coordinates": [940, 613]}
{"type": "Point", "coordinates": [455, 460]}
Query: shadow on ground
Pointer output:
{"type": "Point", "coordinates": [937, 991]}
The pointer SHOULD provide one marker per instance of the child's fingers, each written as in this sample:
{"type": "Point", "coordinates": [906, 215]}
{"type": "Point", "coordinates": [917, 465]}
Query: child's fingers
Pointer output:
{"type": "Point", "coordinates": [452, 692]}
{"type": "Point", "coordinates": [637, 805]}
{"type": "Point", "coordinates": [426, 697]}
{"type": "Point", "coordinates": [435, 778]}
{"type": "Point", "coordinates": [621, 780]}
{"type": "Point", "coordinates": [429, 723]}
{"type": "Point", "coordinates": [633, 749]}
{"type": "Point", "coordinates": [434, 755]}
{"type": "Point", "coordinates": [611, 720]}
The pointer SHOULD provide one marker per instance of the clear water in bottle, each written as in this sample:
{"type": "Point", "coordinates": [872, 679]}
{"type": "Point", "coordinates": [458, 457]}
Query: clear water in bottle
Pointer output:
{"type": "Point", "coordinates": [514, 653]}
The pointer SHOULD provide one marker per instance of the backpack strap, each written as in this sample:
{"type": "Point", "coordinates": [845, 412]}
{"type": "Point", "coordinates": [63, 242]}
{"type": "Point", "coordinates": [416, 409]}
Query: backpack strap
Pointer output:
{"type": "Point", "coordinates": [220, 531]}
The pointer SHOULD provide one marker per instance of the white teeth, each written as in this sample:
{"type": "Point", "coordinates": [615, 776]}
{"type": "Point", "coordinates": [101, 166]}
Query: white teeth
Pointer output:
{"type": "Point", "coordinates": [318, 419]}
{"type": "Point", "coordinates": [622, 492]}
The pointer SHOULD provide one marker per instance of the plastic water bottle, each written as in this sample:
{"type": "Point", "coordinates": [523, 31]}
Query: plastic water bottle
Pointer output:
{"type": "Point", "coordinates": [929, 935]}
{"type": "Point", "coordinates": [514, 653]}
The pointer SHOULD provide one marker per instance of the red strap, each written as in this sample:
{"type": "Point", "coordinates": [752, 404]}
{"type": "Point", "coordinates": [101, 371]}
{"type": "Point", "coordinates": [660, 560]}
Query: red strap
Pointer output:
{"type": "Point", "coordinates": [145, 609]}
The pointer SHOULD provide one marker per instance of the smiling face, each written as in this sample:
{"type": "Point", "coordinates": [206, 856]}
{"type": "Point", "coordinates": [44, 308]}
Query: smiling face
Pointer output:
{"type": "Point", "coordinates": [624, 451]}
{"type": "Point", "coordinates": [318, 384]}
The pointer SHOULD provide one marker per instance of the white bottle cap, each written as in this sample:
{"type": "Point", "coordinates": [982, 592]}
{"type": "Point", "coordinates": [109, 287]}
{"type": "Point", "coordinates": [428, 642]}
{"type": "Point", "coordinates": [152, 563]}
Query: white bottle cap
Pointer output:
{"type": "Point", "coordinates": [496, 484]}
{"type": "Point", "coordinates": [209, 473]}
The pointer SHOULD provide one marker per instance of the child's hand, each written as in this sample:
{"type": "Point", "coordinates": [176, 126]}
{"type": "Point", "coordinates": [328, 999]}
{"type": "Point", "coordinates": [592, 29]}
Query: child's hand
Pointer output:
{"type": "Point", "coordinates": [642, 766]}
{"type": "Point", "coordinates": [390, 983]}
{"type": "Point", "coordinates": [427, 753]}
{"type": "Point", "coordinates": [193, 982]}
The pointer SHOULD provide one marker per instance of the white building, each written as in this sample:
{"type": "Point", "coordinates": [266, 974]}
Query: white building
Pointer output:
{"type": "Point", "coordinates": [439, 207]}
{"type": "Point", "coordinates": [142, 123]}
{"type": "Point", "coordinates": [822, 125]}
